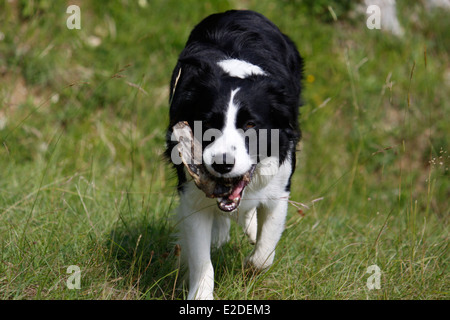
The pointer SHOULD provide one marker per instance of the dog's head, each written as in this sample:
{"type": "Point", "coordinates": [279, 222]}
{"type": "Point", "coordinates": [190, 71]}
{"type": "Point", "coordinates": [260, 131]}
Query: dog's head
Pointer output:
{"type": "Point", "coordinates": [240, 113]}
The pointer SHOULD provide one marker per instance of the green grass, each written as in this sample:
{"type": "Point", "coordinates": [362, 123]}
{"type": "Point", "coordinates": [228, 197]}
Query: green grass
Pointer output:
{"type": "Point", "coordinates": [83, 181]}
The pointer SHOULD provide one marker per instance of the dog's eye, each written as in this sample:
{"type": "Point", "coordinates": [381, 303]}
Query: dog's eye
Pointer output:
{"type": "Point", "coordinates": [250, 124]}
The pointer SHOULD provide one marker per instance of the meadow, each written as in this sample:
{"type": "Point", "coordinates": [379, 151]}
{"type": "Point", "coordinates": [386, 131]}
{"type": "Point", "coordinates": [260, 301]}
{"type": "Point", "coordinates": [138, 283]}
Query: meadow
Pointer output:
{"type": "Point", "coordinates": [83, 182]}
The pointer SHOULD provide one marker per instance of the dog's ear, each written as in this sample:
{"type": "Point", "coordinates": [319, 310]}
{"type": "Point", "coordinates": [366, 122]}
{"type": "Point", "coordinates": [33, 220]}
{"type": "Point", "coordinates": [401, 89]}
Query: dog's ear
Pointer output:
{"type": "Point", "coordinates": [196, 64]}
{"type": "Point", "coordinates": [192, 81]}
{"type": "Point", "coordinates": [284, 105]}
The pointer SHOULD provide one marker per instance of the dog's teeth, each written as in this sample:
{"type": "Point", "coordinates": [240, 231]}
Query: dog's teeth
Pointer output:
{"type": "Point", "coordinates": [235, 200]}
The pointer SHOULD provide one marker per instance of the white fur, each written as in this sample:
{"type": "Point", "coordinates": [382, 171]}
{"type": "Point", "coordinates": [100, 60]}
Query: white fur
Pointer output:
{"type": "Point", "coordinates": [240, 68]}
{"type": "Point", "coordinates": [231, 141]}
{"type": "Point", "coordinates": [262, 214]}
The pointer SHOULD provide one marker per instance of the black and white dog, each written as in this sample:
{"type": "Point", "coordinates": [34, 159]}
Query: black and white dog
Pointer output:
{"type": "Point", "coordinates": [238, 74]}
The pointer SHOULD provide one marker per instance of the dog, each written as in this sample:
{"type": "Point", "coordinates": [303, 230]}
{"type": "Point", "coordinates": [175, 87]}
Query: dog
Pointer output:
{"type": "Point", "coordinates": [238, 74]}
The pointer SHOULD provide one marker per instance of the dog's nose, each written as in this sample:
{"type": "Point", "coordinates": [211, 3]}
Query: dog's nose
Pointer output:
{"type": "Point", "coordinates": [223, 163]}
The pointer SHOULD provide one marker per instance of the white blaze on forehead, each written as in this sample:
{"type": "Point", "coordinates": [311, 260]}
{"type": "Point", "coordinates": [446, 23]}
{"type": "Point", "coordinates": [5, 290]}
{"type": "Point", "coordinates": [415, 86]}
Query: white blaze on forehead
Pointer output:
{"type": "Point", "coordinates": [231, 112]}
{"type": "Point", "coordinates": [230, 142]}
{"type": "Point", "coordinates": [240, 68]}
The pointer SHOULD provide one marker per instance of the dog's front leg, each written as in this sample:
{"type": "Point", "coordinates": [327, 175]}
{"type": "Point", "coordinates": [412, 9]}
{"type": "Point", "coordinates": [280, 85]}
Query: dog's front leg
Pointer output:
{"type": "Point", "coordinates": [271, 218]}
{"type": "Point", "coordinates": [195, 238]}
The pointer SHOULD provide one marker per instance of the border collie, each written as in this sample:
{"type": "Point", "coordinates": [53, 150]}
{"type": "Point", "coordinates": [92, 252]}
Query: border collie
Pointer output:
{"type": "Point", "coordinates": [238, 74]}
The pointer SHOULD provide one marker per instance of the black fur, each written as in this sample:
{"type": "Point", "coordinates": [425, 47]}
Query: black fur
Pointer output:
{"type": "Point", "coordinates": [202, 89]}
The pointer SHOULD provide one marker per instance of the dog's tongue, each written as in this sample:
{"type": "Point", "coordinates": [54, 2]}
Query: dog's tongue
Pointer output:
{"type": "Point", "coordinates": [232, 202]}
{"type": "Point", "coordinates": [236, 193]}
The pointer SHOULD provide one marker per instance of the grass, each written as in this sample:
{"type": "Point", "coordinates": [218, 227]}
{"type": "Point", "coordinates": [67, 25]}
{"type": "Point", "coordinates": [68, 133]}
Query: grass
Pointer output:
{"type": "Point", "coordinates": [83, 181]}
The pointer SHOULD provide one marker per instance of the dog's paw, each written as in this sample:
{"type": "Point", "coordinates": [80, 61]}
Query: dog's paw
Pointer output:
{"type": "Point", "coordinates": [258, 263]}
{"type": "Point", "coordinates": [203, 297]}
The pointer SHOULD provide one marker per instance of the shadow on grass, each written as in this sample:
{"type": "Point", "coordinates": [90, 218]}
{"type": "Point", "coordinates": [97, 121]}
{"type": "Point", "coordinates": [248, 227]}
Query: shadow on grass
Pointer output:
{"type": "Point", "coordinates": [145, 258]}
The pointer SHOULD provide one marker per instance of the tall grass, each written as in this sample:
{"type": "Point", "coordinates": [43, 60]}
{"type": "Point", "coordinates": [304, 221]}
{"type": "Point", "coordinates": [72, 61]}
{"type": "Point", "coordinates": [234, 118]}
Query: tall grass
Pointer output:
{"type": "Point", "coordinates": [83, 181]}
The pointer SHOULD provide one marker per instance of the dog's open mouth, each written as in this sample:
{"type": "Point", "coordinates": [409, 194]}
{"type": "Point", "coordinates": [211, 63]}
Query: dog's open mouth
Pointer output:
{"type": "Point", "coordinates": [228, 192]}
